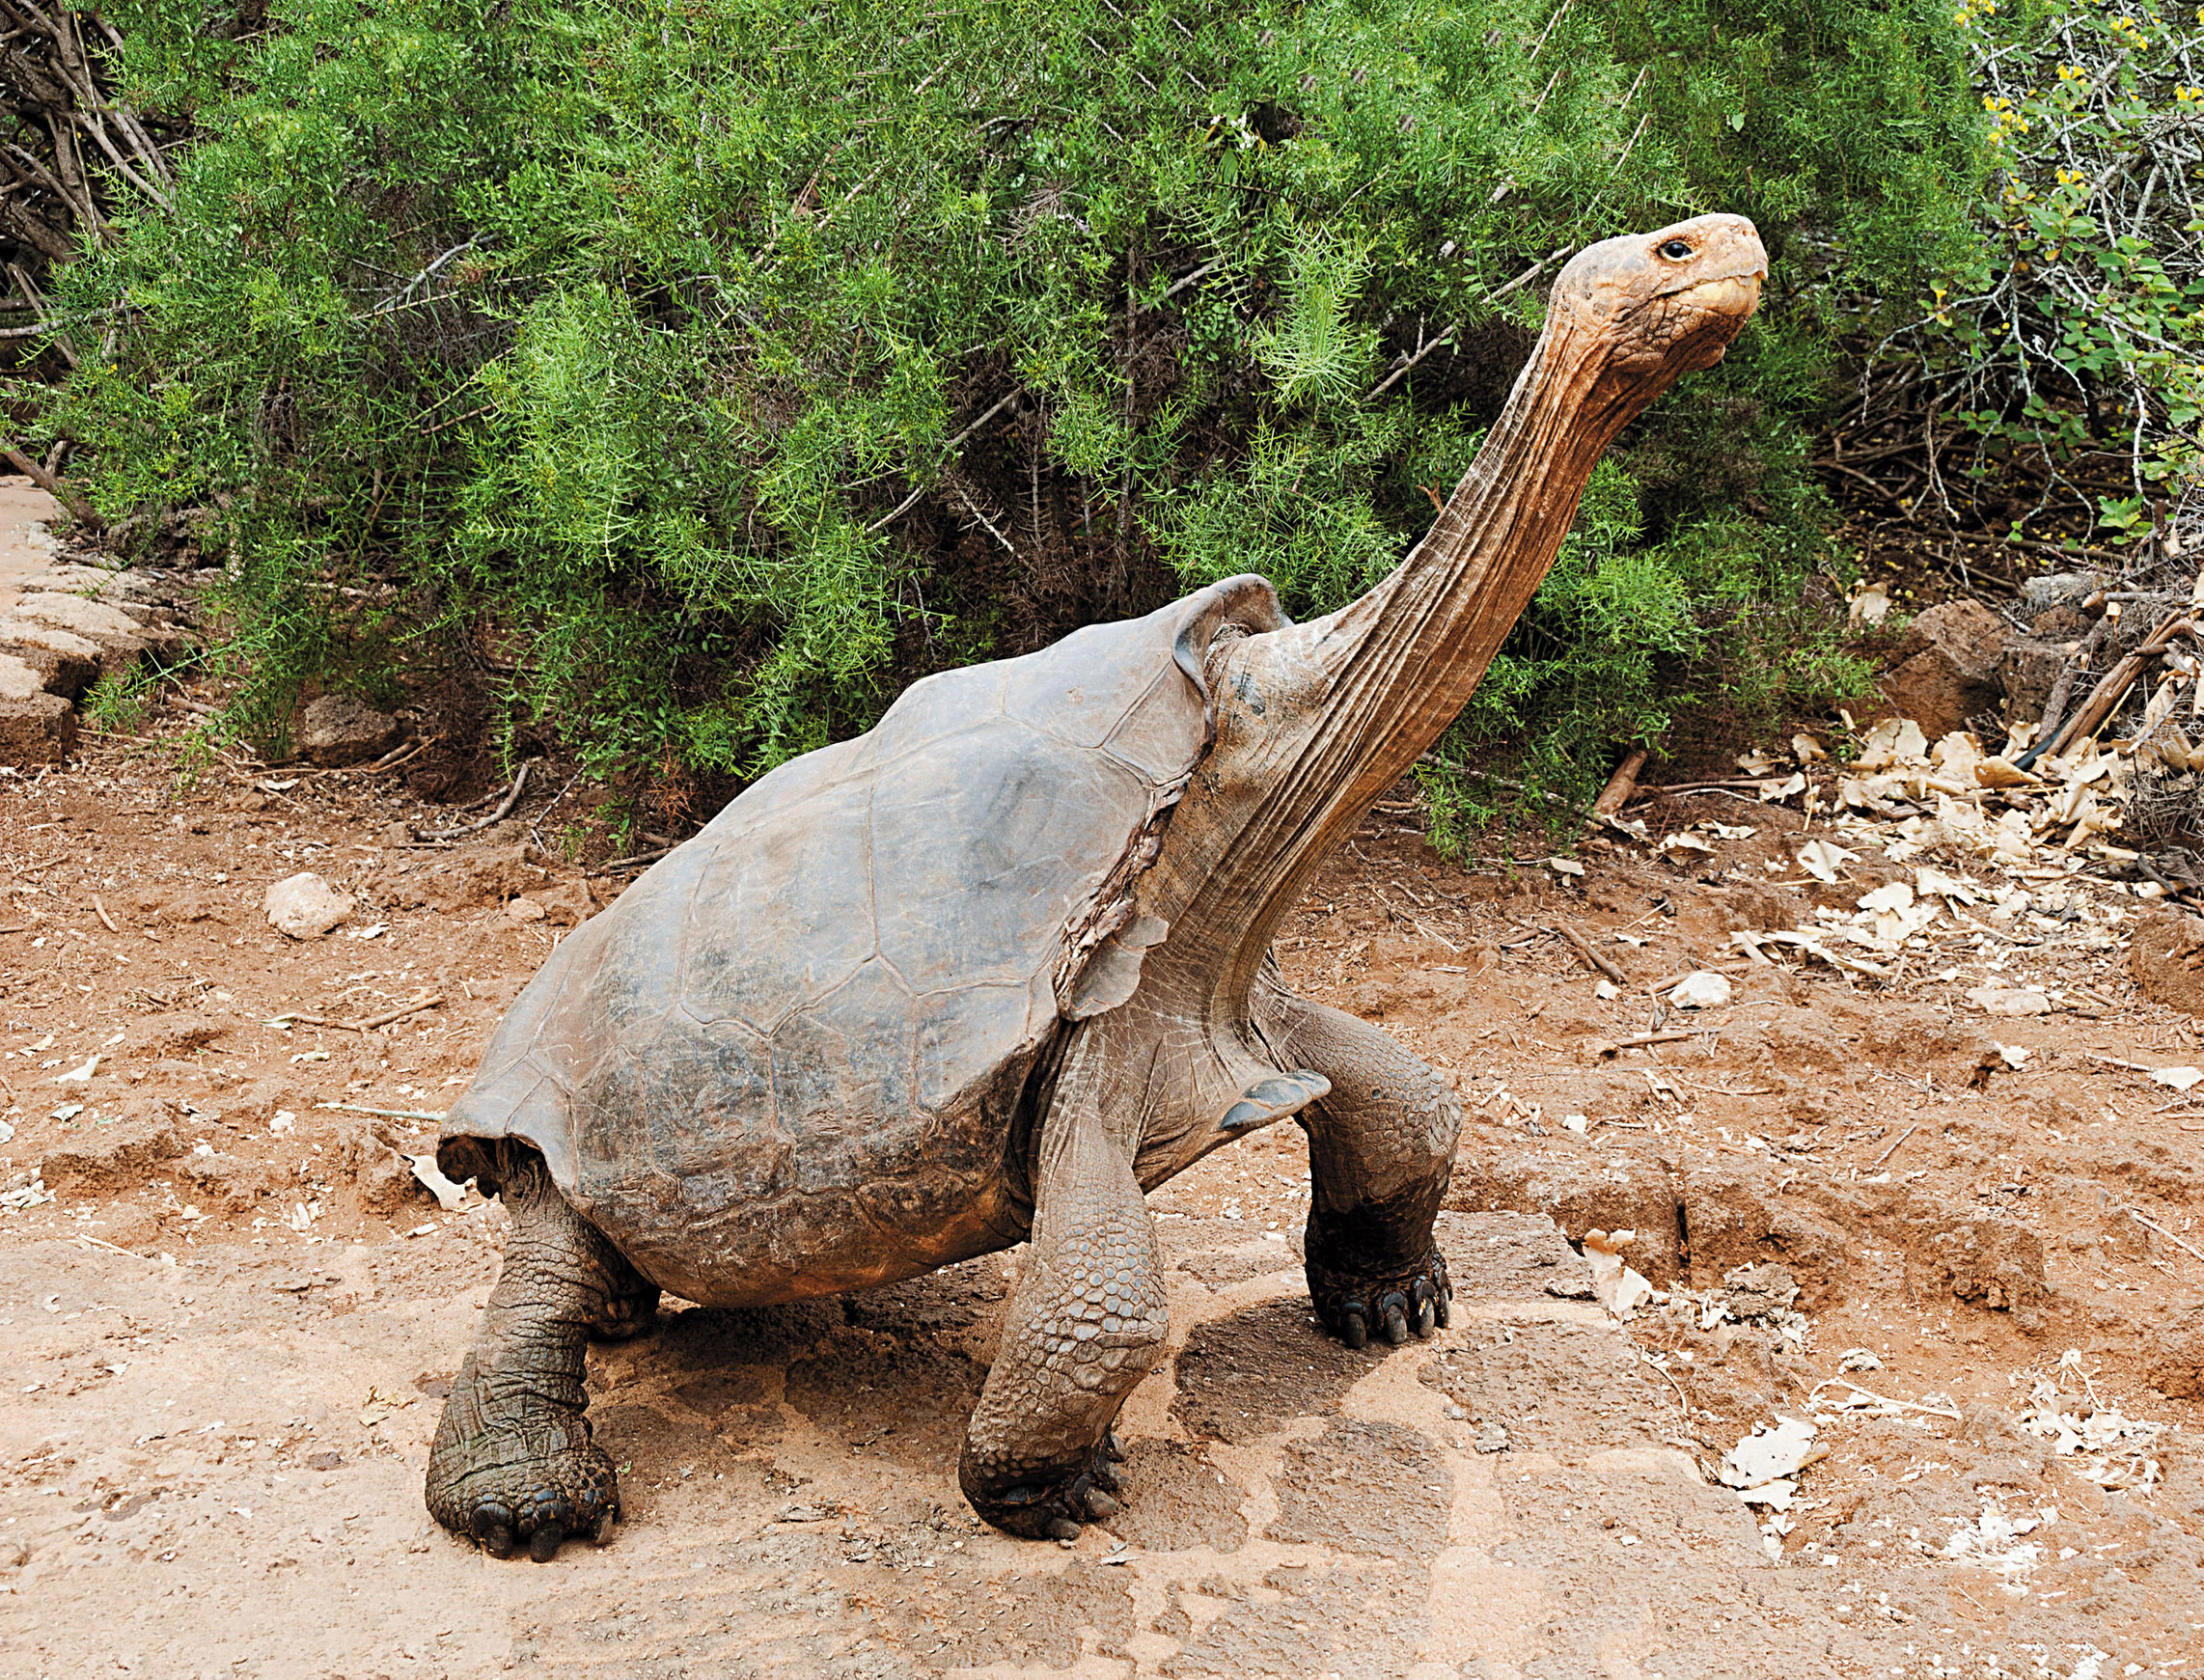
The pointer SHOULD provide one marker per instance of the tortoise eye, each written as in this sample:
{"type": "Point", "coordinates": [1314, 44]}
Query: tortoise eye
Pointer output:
{"type": "Point", "coordinates": [1676, 250]}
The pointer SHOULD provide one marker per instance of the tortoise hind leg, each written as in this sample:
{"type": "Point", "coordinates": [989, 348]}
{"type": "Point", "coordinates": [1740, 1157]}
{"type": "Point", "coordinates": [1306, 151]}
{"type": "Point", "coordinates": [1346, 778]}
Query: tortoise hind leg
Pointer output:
{"type": "Point", "coordinates": [514, 1463]}
{"type": "Point", "coordinates": [1087, 1323]}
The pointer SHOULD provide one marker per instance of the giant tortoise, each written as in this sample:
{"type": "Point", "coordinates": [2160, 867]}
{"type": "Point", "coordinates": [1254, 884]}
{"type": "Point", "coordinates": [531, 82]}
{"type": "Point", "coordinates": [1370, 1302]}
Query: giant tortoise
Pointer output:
{"type": "Point", "coordinates": [990, 972]}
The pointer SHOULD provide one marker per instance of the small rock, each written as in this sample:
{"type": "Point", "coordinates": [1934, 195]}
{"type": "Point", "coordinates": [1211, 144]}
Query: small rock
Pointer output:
{"type": "Point", "coordinates": [525, 910]}
{"type": "Point", "coordinates": [1702, 989]}
{"type": "Point", "coordinates": [174, 1035]}
{"type": "Point", "coordinates": [94, 620]}
{"type": "Point", "coordinates": [340, 730]}
{"type": "Point", "coordinates": [1946, 668]}
{"type": "Point", "coordinates": [2166, 958]}
{"type": "Point", "coordinates": [306, 906]}
{"type": "Point", "coordinates": [1492, 1438]}
{"type": "Point", "coordinates": [2061, 588]}
{"type": "Point", "coordinates": [106, 1159]}
{"type": "Point", "coordinates": [39, 729]}
{"type": "Point", "coordinates": [386, 1183]}
{"type": "Point", "coordinates": [397, 834]}
{"type": "Point", "coordinates": [19, 680]}
{"type": "Point", "coordinates": [66, 662]}
{"type": "Point", "coordinates": [568, 904]}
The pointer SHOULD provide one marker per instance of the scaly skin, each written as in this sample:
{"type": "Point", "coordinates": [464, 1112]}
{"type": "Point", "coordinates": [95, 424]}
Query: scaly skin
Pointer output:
{"type": "Point", "coordinates": [1085, 1325]}
{"type": "Point", "coordinates": [514, 1463]}
{"type": "Point", "coordinates": [1381, 1147]}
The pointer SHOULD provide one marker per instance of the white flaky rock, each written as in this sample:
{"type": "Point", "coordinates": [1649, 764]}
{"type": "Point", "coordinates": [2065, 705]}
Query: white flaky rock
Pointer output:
{"type": "Point", "coordinates": [305, 906]}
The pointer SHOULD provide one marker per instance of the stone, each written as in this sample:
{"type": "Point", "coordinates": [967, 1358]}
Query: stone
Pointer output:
{"type": "Point", "coordinates": [1947, 668]}
{"type": "Point", "coordinates": [104, 1159]}
{"type": "Point", "coordinates": [19, 680]}
{"type": "Point", "coordinates": [486, 875]}
{"type": "Point", "coordinates": [2027, 671]}
{"type": "Point", "coordinates": [2061, 588]}
{"type": "Point", "coordinates": [37, 730]}
{"type": "Point", "coordinates": [340, 730]}
{"type": "Point", "coordinates": [385, 1183]}
{"type": "Point", "coordinates": [524, 910]}
{"type": "Point", "coordinates": [2166, 959]}
{"type": "Point", "coordinates": [66, 662]}
{"type": "Point", "coordinates": [567, 904]}
{"type": "Point", "coordinates": [94, 620]}
{"type": "Point", "coordinates": [306, 906]}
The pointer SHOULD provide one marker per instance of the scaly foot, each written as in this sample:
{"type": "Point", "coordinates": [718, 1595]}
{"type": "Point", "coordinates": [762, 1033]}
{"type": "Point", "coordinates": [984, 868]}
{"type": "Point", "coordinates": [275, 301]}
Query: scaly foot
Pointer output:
{"type": "Point", "coordinates": [518, 1471]}
{"type": "Point", "coordinates": [1350, 1304]}
{"type": "Point", "coordinates": [1052, 1507]}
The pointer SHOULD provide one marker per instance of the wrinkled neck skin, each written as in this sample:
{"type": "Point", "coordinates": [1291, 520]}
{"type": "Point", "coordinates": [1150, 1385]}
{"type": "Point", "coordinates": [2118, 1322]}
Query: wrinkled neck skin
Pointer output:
{"type": "Point", "coordinates": [1316, 721]}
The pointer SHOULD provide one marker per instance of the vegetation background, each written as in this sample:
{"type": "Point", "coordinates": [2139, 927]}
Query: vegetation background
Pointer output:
{"type": "Point", "coordinates": [690, 377]}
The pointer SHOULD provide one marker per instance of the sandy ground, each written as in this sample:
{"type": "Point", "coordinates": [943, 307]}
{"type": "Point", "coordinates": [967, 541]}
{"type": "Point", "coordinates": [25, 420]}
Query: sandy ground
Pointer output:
{"type": "Point", "coordinates": [230, 1324]}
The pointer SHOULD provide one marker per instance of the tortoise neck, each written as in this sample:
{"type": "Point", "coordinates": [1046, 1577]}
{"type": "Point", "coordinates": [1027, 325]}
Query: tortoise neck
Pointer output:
{"type": "Point", "coordinates": [1379, 680]}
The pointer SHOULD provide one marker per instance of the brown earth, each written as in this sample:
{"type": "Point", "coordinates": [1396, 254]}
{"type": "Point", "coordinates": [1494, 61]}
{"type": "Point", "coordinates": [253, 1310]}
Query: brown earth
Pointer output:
{"type": "Point", "coordinates": [232, 1323]}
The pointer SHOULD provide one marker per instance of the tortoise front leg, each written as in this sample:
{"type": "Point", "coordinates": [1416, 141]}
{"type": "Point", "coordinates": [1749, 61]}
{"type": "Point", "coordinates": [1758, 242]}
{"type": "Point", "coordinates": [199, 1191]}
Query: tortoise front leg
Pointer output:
{"type": "Point", "coordinates": [514, 1463]}
{"type": "Point", "coordinates": [1086, 1324]}
{"type": "Point", "coordinates": [1381, 1147]}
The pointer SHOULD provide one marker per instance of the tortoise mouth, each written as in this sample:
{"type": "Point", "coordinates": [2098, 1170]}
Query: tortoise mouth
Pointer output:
{"type": "Point", "coordinates": [1725, 294]}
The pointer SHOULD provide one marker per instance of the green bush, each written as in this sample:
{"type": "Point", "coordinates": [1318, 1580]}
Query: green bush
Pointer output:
{"type": "Point", "coordinates": [702, 373]}
{"type": "Point", "coordinates": [2067, 342]}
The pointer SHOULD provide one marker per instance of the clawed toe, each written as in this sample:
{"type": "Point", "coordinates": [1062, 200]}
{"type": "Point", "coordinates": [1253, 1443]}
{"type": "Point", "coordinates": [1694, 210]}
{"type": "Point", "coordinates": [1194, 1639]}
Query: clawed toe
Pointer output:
{"type": "Point", "coordinates": [523, 1487]}
{"type": "Point", "coordinates": [1394, 1307]}
{"type": "Point", "coordinates": [1055, 1510]}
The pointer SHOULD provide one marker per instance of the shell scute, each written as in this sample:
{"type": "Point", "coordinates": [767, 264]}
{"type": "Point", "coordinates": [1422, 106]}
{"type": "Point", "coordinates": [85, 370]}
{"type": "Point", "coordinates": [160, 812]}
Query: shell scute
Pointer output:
{"type": "Point", "coordinates": [1031, 837]}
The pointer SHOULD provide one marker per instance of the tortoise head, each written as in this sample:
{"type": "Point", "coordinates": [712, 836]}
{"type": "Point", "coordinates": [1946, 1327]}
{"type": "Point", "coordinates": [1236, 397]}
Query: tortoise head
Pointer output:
{"type": "Point", "coordinates": [1629, 315]}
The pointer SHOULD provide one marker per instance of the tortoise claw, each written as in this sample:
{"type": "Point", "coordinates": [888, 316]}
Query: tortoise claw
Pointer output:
{"type": "Point", "coordinates": [1356, 1306]}
{"type": "Point", "coordinates": [1054, 1509]}
{"type": "Point", "coordinates": [543, 1544]}
{"type": "Point", "coordinates": [492, 1526]}
{"type": "Point", "coordinates": [1113, 1449]}
{"type": "Point", "coordinates": [1395, 1317]}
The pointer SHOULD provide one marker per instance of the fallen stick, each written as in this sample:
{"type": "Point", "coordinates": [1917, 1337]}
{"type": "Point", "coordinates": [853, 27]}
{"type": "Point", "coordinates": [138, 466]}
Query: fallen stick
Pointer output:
{"type": "Point", "coordinates": [638, 858]}
{"type": "Point", "coordinates": [1682, 974]}
{"type": "Point", "coordinates": [78, 509]}
{"type": "Point", "coordinates": [504, 809]}
{"type": "Point", "coordinates": [2153, 1225]}
{"type": "Point", "coordinates": [428, 1000]}
{"type": "Point", "coordinates": [106, 921]}
{"type": "Point", "coordinates": [1593, 957]}
{"type": "Point", "coordinates": [1884, 1399]}
{"type": "Point", "coordinates": [386, 1114]}
{"type": "Point", "coordinates": [1638, 1040]}
{"type": "Point", "coordinates": [1616, 795]}
{"type": "Point", "coordinates": [1894, 1148]}
{"type": "Point", "coordinates": [2106, 698]}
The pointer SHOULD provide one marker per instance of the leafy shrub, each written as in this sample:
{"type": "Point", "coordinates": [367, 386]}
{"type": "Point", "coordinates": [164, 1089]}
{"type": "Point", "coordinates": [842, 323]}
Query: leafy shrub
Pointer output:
{"type": "Point", "coordinates": [699, 374]}
{"type": "Point", "coordinates": [2071, 332]}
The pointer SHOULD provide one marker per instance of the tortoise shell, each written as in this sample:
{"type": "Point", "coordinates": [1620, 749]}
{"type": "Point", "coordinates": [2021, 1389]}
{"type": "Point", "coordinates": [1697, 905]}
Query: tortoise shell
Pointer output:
{"type": "Point", "coordinates": [789, 1059]}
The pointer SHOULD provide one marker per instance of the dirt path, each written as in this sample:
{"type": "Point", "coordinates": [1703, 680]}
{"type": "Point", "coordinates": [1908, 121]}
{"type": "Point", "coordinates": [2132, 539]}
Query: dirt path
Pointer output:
{"type": "Point", "coordinates": [26, 546]}
{"type": "Point", "coordinates": [232, 1311]}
